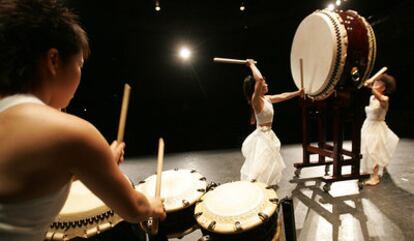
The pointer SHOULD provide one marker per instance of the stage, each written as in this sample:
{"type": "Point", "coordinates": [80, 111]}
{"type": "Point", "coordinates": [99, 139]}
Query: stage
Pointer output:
{"type": "Point", "coordinates": [384, 212]}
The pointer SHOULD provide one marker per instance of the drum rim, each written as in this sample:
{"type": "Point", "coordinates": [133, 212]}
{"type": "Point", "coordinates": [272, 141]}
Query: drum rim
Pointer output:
{"type": "Point", "coordinates": [181, 204]}
{"type": "Point", "coordinates": [205, 218]}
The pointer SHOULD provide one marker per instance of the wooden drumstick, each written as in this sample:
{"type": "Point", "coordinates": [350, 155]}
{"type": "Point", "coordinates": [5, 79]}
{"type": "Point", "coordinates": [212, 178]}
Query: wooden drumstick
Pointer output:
{"type": "Point", "coordinates": [301, 77]}
{"type": "Point", "coordinates": [124, 110]}
{"type": "Point", "coordinates": [231, 61]}
{"type": "Point", "coordinates": [154, 227]}
{"type": "Point", "coordinates": [372, 79]}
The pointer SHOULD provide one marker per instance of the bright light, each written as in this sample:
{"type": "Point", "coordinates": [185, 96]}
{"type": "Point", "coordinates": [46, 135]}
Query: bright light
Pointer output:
{"type": "Point", "coordinates": [157, 8]}
{"type": "Point", "coordinates": [338, 2]}
{"type": "Point", "coordinates": [185, 53]}
{"type": "Point", "coordinates": [242, 8]}
{"type": "Point", "coordinates": [331, 7]}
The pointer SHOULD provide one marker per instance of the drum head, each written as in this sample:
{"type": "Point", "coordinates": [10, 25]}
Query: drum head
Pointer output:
{"type": "Point", "coordinates": [318, 41]}
{"type": "Point", "coordinates": [81, 203]}
{"type": "Point", "coordinates": [235, 207]}
{"type": "Point", "coordinates": [180, 188]}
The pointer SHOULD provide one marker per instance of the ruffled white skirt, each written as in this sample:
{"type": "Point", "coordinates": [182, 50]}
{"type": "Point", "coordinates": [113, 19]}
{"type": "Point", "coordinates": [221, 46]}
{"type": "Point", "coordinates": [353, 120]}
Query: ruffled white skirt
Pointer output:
{"type": "Point", "coordinates": [378, 144]}
{"type": "Point", "coordinates": [263, 162]}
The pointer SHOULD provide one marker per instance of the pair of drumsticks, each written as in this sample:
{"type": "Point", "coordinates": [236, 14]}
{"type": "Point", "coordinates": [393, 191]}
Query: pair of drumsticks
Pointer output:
{"type": "Point", "coordinates": [120, 138]}
{"type": "Point", "coordinates": [239, 61]}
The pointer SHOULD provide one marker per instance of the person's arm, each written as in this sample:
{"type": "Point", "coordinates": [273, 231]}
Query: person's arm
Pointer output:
{"type": "Point", "coordinates": [285, 96]}
{"type": "Point", "coordinates": [90, 159]}
{"type": "Point", "coordinates": [383, 99]}
{"type": "Point", "coordinates": [257, 102]}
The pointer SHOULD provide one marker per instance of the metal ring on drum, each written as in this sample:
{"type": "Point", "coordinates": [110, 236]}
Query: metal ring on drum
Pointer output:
{"type": "Point", "coordinates": [238, 211]}
{"type": "Point", "coordinates": [85, 216]}
{"type": "Point", "coordinates": [181, 190]}
{"type": "Point", "coordinates": [338, 51]}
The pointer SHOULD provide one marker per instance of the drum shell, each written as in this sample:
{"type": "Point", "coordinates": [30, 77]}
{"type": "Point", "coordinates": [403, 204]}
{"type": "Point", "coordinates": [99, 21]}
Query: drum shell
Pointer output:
{"type": "Point", "coordinates": [178, 221]}
{"type": "Point", "coordinates": [358, 53]}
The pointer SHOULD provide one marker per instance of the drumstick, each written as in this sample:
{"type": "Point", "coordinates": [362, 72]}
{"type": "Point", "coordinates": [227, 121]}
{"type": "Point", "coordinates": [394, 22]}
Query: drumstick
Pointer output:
{"type": "Point", "coordinates": [301, 77]}
{"type": "Point", "coordinates": [154, 227]}
{"type": "Point", "coordinates": [231, 61]}
{"type": "Point", "coordinates": [124, 110]}
{"type": "Point", "coordinates": [372, 79]}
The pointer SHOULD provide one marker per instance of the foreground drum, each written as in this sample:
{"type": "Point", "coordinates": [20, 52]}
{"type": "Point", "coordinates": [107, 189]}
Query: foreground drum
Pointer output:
{"type": "Point", "coordinates": [180, 189]}
{"type": "Point", "coordinates": [85, 216]}
{"type": "Point", "coordinates": [241, 211]}
{"type": "Point", "coordinates": [338, 50]}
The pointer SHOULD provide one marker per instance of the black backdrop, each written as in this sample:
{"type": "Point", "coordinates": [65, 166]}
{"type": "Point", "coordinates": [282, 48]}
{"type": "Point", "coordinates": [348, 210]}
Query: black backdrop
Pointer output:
{"type": "Point", "coordinates": [199, 105]}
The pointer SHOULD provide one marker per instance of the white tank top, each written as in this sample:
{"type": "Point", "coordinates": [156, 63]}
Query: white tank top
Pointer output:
{"type": "Point", "coordinates": [374, 111]}
{"type": "Point", "coordinates": [266, 115]}
{"type": "Point", "coordinates": [29, 220]}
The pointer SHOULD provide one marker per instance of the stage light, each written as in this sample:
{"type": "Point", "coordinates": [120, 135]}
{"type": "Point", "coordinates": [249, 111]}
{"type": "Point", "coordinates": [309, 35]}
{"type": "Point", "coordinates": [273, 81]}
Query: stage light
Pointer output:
{"type": "Point", "coordinates": [331, 7]}
{"type": "Point", "coordinates": [242, 7]}
{"type": "Point", "coordinates": [185, 53]}
{"type": "Point", "coordinates": [338, 3]}
{"type": "Point", "coordinates": [157, 6]}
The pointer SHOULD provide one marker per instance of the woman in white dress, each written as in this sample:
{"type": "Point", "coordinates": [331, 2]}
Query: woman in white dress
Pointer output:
{"type": "Point", "coordinates": [42, 49]}
{"type": "Point", "coordinates": [378, 142]}
{"type": "Point", "coordinates": [261, 149]}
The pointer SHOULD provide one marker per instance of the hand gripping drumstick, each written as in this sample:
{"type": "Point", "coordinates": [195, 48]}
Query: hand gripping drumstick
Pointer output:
{"type": "Point", "coordinates": [372, 79]}
{"type": "Point", "coordinates": [154, 226]}
{"type": "Point", "coordinates": [231, 61]}
{"type": "Point", "coordinates": [124, 110]}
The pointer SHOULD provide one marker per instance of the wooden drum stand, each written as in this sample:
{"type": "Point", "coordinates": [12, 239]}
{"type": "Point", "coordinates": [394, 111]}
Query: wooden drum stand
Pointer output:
{"type": "Point", "coordinates": [344, 107]}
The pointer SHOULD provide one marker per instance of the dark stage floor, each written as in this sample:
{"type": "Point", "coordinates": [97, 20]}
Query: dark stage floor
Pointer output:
{"type": "Point", "coordinates": [384, 212]}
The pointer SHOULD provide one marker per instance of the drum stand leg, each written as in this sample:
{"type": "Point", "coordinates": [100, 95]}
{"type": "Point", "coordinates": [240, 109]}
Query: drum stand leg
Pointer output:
{"type": "Point", "coordinates": [335, 151]}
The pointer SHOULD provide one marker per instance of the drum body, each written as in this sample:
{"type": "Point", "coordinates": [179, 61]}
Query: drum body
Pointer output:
{"type": "Point", "coordinates": [338, 50]}
{"type": "Point", "coordinates": [85, 216]}
{"type": "Point", "coordinates": [180, 189]}
{"type": "Point", "coordinates": [240, 211]}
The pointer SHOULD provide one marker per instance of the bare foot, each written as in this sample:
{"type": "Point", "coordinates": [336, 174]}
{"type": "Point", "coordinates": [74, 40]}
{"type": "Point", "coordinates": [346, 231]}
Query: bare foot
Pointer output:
{"type": "Point", "coordinates": [372, 181]}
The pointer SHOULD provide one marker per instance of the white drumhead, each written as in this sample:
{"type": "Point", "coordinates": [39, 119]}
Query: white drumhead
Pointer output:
{"type": "Point", "coordinates": [237, 202]}
{"type": "Point", "coordinates": [81, 203]}
{"type": "Point", "coordinates": [316, 43]}
{"type": "Point", "coordinates": [179, 188]}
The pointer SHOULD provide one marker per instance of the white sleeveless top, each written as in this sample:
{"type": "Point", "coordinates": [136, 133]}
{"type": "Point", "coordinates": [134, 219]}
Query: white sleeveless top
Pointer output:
{"type": "Point", "coordinates": [266, 115]}
{"type": "Point", "coordinates": [374, 111]}
{"type": "Point", "coordinates": [29, 220]}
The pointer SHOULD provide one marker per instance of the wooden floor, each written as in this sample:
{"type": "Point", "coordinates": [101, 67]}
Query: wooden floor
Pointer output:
{"type": "Point", "coordinates": [384, 212]}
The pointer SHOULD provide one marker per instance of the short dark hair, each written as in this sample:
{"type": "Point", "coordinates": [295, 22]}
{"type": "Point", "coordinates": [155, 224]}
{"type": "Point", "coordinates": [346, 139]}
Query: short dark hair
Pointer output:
{"type": "Point", "coordinates": [248, 87]}
{"type": "Point", "coordinates": [28, 29]}
{"type": "Point", "coordinates": [389, 83]}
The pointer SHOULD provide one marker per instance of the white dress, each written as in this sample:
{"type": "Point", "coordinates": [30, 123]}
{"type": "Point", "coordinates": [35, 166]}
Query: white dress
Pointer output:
{"type": "Point", "coordinates": [29, 220]}
{"type": "Point", "coordinates": [378, 142]}
{"type": "Point", "coordinates": [261, 150]}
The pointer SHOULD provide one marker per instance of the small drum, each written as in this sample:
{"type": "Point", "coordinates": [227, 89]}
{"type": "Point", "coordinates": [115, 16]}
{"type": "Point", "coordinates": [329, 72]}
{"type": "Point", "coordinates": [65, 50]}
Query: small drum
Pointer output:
{"type": "Point", "coordinates": [338, 50]}
{"type": "Point", "coordinates": [85, 216]}
{"type": "Point", "coordinates": [241, 211]}
{"type": "Point", "coordinates": [181, 189]}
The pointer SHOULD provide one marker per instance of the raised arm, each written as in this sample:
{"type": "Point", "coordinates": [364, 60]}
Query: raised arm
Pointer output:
{"type": "Point", "coordinates": [383, 99]}
{"type": "Point", "coordinates": [91, 160]}
{"type": "Point", "coordinates": [285, 96]}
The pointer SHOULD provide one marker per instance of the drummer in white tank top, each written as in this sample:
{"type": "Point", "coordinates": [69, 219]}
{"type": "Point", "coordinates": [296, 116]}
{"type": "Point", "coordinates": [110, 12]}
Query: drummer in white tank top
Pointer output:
{"type": "Point", "coordinates": [41, 148]}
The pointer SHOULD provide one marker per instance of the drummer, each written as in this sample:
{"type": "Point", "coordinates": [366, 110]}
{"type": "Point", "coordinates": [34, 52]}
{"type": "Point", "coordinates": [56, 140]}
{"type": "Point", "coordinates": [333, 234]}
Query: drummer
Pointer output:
{"type": "Point", "coordinates": [42, 51]}
{"type": "Point", "coordinates": [261, 149]}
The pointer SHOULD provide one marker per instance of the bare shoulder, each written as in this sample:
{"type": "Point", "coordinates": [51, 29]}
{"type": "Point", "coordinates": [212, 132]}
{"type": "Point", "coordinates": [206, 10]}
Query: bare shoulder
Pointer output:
{"type": "Point", "coordinates": [50, 131]}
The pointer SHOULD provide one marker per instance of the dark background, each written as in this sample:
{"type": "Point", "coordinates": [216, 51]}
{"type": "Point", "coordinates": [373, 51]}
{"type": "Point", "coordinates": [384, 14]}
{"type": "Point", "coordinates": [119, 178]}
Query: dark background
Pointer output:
{"type": "Point", "coordinates": [199, 105]}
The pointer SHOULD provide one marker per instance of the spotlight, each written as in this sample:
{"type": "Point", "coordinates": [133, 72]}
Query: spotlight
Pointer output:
{"type": "Point", "coordinates": [338, 3]}
{"type": "Point", "coordinates": [185, 53]}
{"type": "Point", "coordinates": [157, 6]}
{"type": "Point", "coordinates": [331, 7]}
{"type": "Point", "coordinates": [242, 7]}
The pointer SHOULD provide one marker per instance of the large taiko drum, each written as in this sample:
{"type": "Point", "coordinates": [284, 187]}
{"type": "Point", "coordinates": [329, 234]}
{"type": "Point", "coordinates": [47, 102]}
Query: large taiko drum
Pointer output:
{"type": "Point", "coordinates": [181, 189]}
{"type": "Point", "coordinates": [85, 217]}
{"type": "Point", "coordinates": [238, 211]}
{"type": "Point", "coordinates": [338, 49]}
